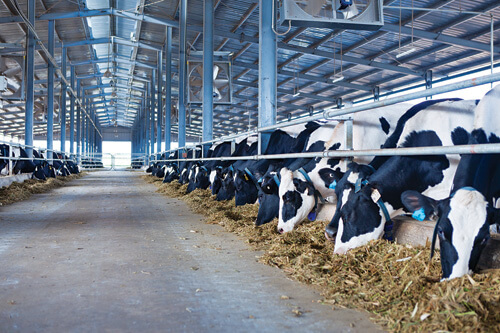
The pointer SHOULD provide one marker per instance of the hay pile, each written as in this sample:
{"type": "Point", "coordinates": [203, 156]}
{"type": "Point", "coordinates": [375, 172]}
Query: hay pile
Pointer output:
{"type": "Point", "coordinates": [21, 191]}
{"type": "Point", "coordinates": [388, 280]}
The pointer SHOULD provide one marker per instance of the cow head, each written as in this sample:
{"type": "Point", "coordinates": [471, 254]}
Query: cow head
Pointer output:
{"type": "Point", "coordinates": [39, 173]}
{"type": "Point", "coordinates": [171, 172]}
{"type": "Point", "coordinates": [245, 188]}
{"type": "Point", "coordinates": [462, 227]}
{"type": "Point", "coordinates": [353, 178]}
{"type": "Point", "coordinates": [269, 205]}
{"type": "Point", "coordinates": [226, 191]}
{"type": "Point", "coordinates": [297, 199]}
{"type": "Point", "coordinates": [270, 183]}
{"type": "Point", "coordinates": [216, 177]}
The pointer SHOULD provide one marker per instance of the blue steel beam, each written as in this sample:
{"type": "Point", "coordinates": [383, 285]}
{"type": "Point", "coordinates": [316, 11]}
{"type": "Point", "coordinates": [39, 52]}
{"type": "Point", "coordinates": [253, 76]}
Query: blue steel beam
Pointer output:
{"type": "Point", "coordinates": [267, 71]}
{"type": "Point", "coordinates": [159, 99]}
{"type": "Point", "coordinates": [72, 115]}
{"type": "Point", "coordinates": [62, 107]}
{"type": "Point", "coordinates": [30, 77]}
{"type": "Point", "coordinates": [78, 122]}
{"type": "Point", "coordinates": [182, 73]}
{"type": "Point", "coordinates": [208, 67]}
{"type": "Point", "coordinates": [168, 88]}
{"type": "Point", "coordinates": [152, 110]}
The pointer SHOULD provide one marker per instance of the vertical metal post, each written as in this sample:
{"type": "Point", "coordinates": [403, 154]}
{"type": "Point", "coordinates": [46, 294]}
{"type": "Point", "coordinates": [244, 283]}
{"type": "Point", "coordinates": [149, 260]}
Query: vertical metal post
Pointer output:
{"type": "Point", "coordinates": [159, 110]}
{"type": "Point", "coordinates": [30, 81]}
{"type": "Point", "coordinates": [428, 81]}
{"type": "Point", "coordinates": [50, 95]}
{"type": "Point", "coordinates": [267, 71]}
{"type": "Point", "coordinates": [146, 120]}
{"type": "Point", "coordinates": [208, 68]}
{"type": "Point", "coordinates": [72, 115]}
{"type": "Point", "coordinates": [182, 72]}
{"type": "Point", "coordinates": [168, 90]}
{"type": "Point", "coordinates": [376, 93]}
{"type": "Point", "coordinates": [152, 111]}
{"type": "Point", "coordinates": [62, 107]}
{"type": "Point", "coordinates": [78, 122]}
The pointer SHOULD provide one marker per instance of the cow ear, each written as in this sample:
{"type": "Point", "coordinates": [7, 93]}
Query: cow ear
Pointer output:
{"type": "Point", "coordinates": [420, 205]}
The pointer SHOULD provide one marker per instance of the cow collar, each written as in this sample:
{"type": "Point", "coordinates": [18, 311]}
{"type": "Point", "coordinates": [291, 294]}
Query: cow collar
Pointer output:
{"type": "Point", "coordinates": [252, 177]}
{"type": "Point", "coordinates": [388, 222]}
{"type": "Point", "coordinates": [317, 195]}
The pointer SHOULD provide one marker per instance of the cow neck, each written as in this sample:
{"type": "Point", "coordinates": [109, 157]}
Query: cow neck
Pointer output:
{"type": "Point", "coordinates": [317, 195]}
{"type": "Point", "coordinates": [252, 177]}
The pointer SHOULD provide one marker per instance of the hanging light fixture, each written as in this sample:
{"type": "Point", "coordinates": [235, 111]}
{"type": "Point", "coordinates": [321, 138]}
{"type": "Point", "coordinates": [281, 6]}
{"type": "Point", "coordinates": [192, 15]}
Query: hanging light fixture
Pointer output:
{"type": "Point", "coordinates": [337, 77]}
{"type": "Point", "coordinates": [107, 73]}
{"type": "Point", "coordinates": [296, 91]}
{"type": "Point", "coordinates": [409, 49]}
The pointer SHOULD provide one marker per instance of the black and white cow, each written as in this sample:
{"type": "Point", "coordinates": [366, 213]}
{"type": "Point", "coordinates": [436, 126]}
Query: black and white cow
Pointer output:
{"type": "Point", "coordinates": [365, 205]}
{"type": "Point", "coordinates": [465, 217]}
{"type": "Point", "coordinates": [302, 192]}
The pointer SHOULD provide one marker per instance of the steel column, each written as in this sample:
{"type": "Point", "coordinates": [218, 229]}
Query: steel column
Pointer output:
{"type": "Point", "coordinates": [208, 76]}
{"type": "Point", "coordinates": [159, 110]}
{"type": "Point", "coordinates": [62, 105]}
{"type": "Point", "coordinates": [72, 115]}
{"type": "Point", "coordinates": [78, 122]}
{"type": "Point", "coordinates": [168, 90]}
{"type": "Point", "coordinates": [50, 94]}
{"type": "Point", "coordinates": [30, 80]}
{"type": "Point", "coordinates": [152, 111]}
{"type": "Point", "coordinates": [267, 71]}
{"type": "Point", "coordinates": [147, 120]}
{"type": "Point", "coordinates": [182, 73]}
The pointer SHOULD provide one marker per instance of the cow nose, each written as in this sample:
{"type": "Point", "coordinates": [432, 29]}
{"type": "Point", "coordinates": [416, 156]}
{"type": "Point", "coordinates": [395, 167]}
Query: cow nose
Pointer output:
{"type": "Point", "coordinates": [280, 230]}
{"type": "Point", "coordinates": [330, 233]}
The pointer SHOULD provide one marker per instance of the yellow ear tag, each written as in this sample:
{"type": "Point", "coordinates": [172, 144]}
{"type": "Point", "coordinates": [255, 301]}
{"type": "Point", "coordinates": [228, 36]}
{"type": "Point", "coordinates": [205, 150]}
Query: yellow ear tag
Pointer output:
{"type": "Point", "coordinates": [246, 177]}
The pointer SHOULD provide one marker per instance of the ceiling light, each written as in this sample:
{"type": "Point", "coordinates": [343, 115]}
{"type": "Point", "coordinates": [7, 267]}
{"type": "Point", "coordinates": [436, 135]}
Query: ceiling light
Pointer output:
{"type": "Point", "coordinates": [405, 52]}
{"type": "Point", "coordinates": [296, 94]}
{"type": "Point", "coordinates": [337, 78]}
{"type": "Point", "coordinates": [107, 73]}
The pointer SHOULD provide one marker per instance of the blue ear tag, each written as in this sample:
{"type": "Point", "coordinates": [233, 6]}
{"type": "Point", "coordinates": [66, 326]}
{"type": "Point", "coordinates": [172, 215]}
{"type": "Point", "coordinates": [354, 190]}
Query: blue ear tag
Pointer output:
{"type": "Point", "coordinates": [333, 185]}
{"type": "Point", "coordinates": [357, 186]}
{"type": "Point", "coordinates": [312, 216]}
{"type": "Point", "coordinates": [419, 214]}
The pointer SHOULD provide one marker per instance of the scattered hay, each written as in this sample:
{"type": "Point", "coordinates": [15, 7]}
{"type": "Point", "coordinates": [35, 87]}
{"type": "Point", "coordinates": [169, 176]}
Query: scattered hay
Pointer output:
{"type": "Point", "coordinates": [388, 280]}
{"type": "Point", "coordinates": [21, 191]}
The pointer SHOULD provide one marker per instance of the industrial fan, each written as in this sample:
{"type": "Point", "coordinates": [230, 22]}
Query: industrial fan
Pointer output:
{"type": "Point", "coordinates": [341, 14]}
{"type": "Point", "coordinates": [222, 88]}
{"type": "Point", "coordinates": [10, 67]}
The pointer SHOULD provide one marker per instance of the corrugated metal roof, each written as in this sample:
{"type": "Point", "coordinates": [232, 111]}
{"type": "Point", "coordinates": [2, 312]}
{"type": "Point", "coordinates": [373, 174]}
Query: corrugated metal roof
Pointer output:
{"type": "Point", "coordinates": [307, 57]}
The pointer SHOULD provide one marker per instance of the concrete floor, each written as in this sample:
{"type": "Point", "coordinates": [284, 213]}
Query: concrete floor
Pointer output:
{"type": "Point", "coordinates": [108, 254]}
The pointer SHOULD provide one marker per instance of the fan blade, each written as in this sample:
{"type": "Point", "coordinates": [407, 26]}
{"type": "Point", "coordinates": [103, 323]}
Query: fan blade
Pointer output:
{"type": "Point", "coordinates": [216, 71]}
{"type": "Point", "coordinates": [313, 7]}
{"type": "Point", "coordinates": [220, 83]}
{"type": "Point", "coordinates": [199, 69]}
{"type": "Point", "coordinates": [217, 94]}
{"type": "Point", "coordinates": [196, 82]}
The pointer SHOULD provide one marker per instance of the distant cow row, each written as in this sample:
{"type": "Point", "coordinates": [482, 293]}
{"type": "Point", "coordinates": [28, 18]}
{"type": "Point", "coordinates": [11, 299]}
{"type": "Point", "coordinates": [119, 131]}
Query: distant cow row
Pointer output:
{"type": "Point", "coordinates": [38, 166]}
{"type": "Point", "coordinates": [360, 197]}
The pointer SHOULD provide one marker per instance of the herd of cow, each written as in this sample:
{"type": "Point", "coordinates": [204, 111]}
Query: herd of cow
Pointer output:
{"type": "Point", "coordinates": [360, 197]}
{"type": "Point", "coordinates": [38, 166]}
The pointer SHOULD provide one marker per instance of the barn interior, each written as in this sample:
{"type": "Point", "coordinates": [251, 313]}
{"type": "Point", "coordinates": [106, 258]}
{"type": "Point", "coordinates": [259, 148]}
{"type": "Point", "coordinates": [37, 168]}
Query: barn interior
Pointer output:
{"type": "Point", "coordinates": [120, 84]}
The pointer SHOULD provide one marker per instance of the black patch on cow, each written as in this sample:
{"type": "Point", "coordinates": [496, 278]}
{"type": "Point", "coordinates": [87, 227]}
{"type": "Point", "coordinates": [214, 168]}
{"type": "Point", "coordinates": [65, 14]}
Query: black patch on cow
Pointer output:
{"type": "Point", "coordinates": [330, 175]}
{"type": "Point", "coordinates": [385, 125]}
{"type": "Point", "coordinates": [268, 208]}
{"type": "Point", "coordinates": [459, 136]}
{"type": "Point", "coordinates": [292, 201]}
